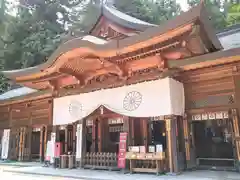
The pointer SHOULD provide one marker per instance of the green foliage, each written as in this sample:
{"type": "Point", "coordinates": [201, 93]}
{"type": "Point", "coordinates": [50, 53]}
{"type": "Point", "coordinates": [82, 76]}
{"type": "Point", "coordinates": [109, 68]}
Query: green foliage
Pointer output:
{"type": "Point", "coordinates": [84, 16]}
{"type": "Point", "coordinates": [222, 13]}
{"type": "Point", "coordinates": [216, 11]}
{"type": "Point", "coordinates": [233, 16]}
{"type": "Point", "coordinates": [34, 34]}
{"type": "Point", "coordinates": [154, 12]}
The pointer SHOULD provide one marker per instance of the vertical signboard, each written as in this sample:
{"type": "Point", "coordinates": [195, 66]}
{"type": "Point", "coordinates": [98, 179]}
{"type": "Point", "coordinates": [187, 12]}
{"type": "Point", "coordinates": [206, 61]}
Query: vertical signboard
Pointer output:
{"type": "Point", "coordinates": [5, 143]}
{"type": "Point", "coordinates": [50, 150]}
{"type": "Point", "coordinates": [79, 142]}
{"type": "Point", "coordinates": [122, 150]}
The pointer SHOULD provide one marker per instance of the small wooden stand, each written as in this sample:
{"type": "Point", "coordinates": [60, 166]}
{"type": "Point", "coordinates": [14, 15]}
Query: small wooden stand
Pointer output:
{"type": "Point", "coordinates": [157, 159]}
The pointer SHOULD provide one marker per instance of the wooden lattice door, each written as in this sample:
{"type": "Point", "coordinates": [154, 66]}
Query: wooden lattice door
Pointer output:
{"type": "Point", "coordinates": [189, 144]}
{"type": "Point", "coordinates": [14, 143]}
{"type": "Point", "coordinates": [26, 144]}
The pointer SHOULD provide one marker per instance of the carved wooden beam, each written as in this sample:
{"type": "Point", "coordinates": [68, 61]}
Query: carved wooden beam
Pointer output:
{"type": "Point", "coordinates": [52, 84]}
{"type": "Point", "coordinates": [162, 61]}
{"type": "Point", "coordinates": [80, 79]}
{"type": "Point", "coordinates": [195, 41]}
{"type": "Point", "coordinates": [170, 72]}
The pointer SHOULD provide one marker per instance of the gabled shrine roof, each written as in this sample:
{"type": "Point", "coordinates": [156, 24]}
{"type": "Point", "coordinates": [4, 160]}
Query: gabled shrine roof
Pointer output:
{"type": "Point", "coordinates": [85, 46]}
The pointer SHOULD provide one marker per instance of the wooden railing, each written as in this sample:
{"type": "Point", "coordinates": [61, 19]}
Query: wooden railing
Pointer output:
{"type": "Point", "coordinates": [149, 166]}
{"type": "Point", "coordinates": [101, 161]}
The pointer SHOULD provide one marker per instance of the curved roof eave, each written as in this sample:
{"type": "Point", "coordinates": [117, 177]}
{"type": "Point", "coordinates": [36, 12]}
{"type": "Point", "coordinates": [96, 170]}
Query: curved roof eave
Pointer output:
{"type": "Point", "coordinates": [125, 20]}
{"type": "Point", "coordinates": [196, 13]}
{"type": "Point", "coordinates": [206, 60]}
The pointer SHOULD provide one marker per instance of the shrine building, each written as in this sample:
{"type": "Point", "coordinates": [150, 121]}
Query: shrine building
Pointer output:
{"type": "Point", "coordinates": [171, 90]}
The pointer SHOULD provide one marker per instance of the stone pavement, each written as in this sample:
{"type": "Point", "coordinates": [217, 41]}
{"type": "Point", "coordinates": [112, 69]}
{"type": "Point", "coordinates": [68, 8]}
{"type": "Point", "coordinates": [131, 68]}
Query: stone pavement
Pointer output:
{"type": "Point", "coordinates": [112, 175]}
{"type": "Point", "coordinates": [19, 164]}
{"type": "Point", "coordinates": [18, 176]}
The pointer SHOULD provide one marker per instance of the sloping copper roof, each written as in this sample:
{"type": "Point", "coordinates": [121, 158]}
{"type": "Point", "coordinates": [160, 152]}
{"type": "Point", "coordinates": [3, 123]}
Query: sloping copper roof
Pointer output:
{"type": "Point", "coordinates": [16, 93]}
{"type": "Point", "coordinates": [197, 13]}
{"type": "Point", "coordinates": [111, 13]}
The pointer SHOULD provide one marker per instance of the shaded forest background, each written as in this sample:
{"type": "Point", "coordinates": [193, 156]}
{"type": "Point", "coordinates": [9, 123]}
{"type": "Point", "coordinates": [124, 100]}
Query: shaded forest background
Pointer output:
{"type": "Point", "coordinates": [39, 26]}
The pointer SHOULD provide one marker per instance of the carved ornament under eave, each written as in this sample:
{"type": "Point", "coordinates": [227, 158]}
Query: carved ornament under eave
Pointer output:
{"type": "Point", "coordinates": [108, 33]}
{"type": "Point", "coordinates": [194, 42]}
{"type": "Point", "coordinates": [112, 81]}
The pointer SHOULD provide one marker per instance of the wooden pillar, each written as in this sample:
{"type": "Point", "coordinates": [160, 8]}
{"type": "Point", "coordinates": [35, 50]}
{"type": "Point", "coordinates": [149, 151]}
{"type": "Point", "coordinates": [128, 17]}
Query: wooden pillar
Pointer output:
{"type": "Point", "coordinates": [20, 145]}
{"type": "Point", "coordinates": [236, 134]}
{"type": "Point", "coordinates": [83, 146]}
{"type": "Point", "coordinates": [28, 148]}
{"type": "Point", "coordinates": [145, 132]}
{"type": "Point", "coordinates": [105, 136]}
{"type": "Point", "coordinates": [172, 145]}
{"type": "Point", "coordinates": [74, 131]}
{"type": "Point", "coordinates": [41, 144]}
{"type": "Point", "coordinates": [169, 145]}
{"type": "Point", "coordinates": [186, 139]}
{"type": "Point", "coordinates": [100, 133]}
{"type": "Point", "coordinates": [126, 128]}
{"type": "Point", "coordinates": [56, 131]}
{"type": "Point", "coordinates": [94, 125]}
{"type": "Point", "coordinates": [45, 140]}
{"type": "Point", "coordinates": [132, 131]}
{"type": "Point", "coordinates": [66, 140]}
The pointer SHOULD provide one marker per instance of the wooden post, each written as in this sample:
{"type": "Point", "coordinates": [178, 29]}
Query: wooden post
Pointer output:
{"type": "Point", "coordinates": [145, 132]}
{"type": "Point", "coordinates": [28, 149]}
{"type": "Point", "coordinates": [236, 134]}
{"type": "Point", "coordinates": [132, 131]}
{"type": "Point", "coordinates": [171, 126]}
{"type": "Point", "coordinates": [41, 145]}
{"type": "Point", "coordinates": [169, 145]}
{"type": "Point", "coordinates": [126, 128]}
{"type": "Point", "coordinates": [100, 128]}
{"type": "Point", "coordinates": [66, 140]}
{"type": "Point", "coordinates": [84, 148]}
{"type": "Point", "coordinates": [93, 146]}
{"type": "Point", "coordinates": [45, 140]}
{"type": "Point", "coordinates": [20, 146]}
{"type": "Point", "coordinates": [186, 139]}
{"type": "Point", "coordinates": [74, 131]}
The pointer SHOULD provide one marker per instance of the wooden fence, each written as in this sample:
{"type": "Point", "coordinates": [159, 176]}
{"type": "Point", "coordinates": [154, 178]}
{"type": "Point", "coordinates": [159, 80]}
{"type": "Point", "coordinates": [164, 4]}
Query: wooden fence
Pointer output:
{"type": "Point", "coordinates": [101, 161]}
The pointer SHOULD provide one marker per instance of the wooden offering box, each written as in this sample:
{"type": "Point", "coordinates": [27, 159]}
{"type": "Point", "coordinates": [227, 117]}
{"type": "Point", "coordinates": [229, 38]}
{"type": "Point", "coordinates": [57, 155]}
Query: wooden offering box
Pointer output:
{"type": "Point", "coordinates": [146, 162]}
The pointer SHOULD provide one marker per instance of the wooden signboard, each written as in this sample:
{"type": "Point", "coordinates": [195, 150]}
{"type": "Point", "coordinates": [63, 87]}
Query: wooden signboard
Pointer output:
{"type": "Point", "coordinates": [122, 150]}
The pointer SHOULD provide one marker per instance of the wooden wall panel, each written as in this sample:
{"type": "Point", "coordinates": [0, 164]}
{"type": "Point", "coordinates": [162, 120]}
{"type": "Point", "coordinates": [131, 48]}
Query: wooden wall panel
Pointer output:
{"type": "Point", "coordinates": [34, 113]}
{"type": "Point", "coordinates": [4, 117]}
{"type": "Point", "coordinates": [209, 87]}
{"type": "Point", "coordinates": [40, 112]}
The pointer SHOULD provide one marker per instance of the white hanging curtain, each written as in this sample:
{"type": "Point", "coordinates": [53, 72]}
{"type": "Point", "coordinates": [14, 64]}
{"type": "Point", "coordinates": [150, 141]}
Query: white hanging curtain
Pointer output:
{"type": "Point", "coordinates": [147, 99]}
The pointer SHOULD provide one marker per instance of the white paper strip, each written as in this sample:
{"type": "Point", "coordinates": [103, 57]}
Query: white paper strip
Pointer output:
{"type": "Point", "coordinates": [212, 116]}
{"type": "Point", "coordinates": [219, 115]}
{"type": "Point", "coordinates": [225, 115]}
{"type": "Point", "coordinates": [198, 117]}
{"type": "Point", "coordinates": [205, 116]}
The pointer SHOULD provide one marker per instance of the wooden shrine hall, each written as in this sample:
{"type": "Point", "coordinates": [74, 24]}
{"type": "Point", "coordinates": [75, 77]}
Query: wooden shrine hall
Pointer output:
{"type": "Point", "coordinates": [130, 95]}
